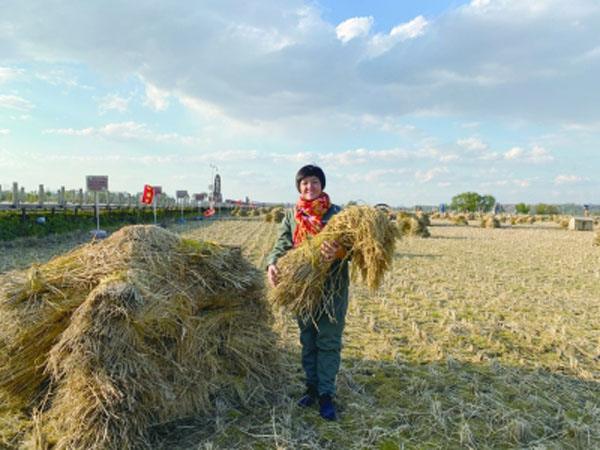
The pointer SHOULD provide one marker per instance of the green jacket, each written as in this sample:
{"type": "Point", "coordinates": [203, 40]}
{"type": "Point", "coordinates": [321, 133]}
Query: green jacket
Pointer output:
{"type": "Point", "coordinates": [338, 279]}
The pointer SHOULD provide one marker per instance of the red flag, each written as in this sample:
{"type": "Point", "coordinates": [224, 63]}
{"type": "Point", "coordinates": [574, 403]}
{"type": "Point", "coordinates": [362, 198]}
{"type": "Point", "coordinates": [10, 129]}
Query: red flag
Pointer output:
{"type": "Point", "coordinates": [148, 194]}
{"type": "Point", "coordinates": [209, 212]}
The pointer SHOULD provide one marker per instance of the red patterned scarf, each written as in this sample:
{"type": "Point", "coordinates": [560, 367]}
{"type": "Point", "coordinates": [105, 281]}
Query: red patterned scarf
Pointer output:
{"type": "Point", "coordinates": [309, 216]}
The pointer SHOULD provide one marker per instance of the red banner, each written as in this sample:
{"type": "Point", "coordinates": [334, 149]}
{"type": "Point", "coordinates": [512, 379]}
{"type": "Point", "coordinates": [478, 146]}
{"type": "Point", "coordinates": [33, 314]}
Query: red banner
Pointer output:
{"type": "Point", "coordinates": [148, 195]}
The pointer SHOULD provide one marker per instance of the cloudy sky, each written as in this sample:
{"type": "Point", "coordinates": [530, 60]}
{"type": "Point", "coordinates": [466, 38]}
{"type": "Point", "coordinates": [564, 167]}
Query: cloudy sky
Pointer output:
{"type": "Point", "coordinates": [403, 104]}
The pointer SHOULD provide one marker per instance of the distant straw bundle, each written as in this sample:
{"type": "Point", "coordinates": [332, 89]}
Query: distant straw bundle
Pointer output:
{"type": "Point", "coordinates": [413, 224]}
{"type": "Point", "coordinates": [139, 329]}
{"type": "Point", "coordinates": [370, 238]}
{"type": "Point", "coordinates": [489, 221]}
{"type": "Point", "coordinates": [423, 217]}
{"type": "Point", "coordinates": [459, 219]}
{"type": "Point", "coordinates": [597, 237]}
{"type": "Point", "coordinates": [275, 215]}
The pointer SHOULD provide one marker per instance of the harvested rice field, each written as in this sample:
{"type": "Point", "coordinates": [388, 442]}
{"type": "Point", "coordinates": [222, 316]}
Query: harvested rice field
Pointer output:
{"type": "Point", "coordinates": [478, 338]}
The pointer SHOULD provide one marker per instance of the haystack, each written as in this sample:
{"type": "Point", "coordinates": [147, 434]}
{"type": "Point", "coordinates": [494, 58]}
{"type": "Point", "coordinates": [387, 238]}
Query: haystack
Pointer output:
{"type": "Point", "coordinates": [367, 234]}
{"type": "Point", "coordinates": [460, 219]}
{"type": "Point", "coordinates": [489, 221]}
{"type": "Point", "coordinates": [139, 329]}
{"type": "Point", "coordinates": [275, 215]}
{"type": "Point", "coordinates": [413, 224]}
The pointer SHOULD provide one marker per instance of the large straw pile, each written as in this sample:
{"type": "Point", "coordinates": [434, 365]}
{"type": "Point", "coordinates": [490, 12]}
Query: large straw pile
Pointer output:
{"type": "Point", "coordinates": [369, 236]}
{"type": "Point", "coordinates": [139, 329]}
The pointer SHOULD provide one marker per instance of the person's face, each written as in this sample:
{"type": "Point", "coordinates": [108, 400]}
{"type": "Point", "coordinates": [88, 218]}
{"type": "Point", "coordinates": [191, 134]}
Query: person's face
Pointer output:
{"type": "Point", "coordinates": [310, 188]}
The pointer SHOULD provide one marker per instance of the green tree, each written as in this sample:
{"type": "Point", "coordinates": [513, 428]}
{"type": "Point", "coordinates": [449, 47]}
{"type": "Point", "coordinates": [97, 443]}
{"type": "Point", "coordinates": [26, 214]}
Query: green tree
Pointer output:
{"type": "Point", "coordinates": [472, 201]}
{"type": "Point", "coordinates": [487, 203]}
{"type": "Point", "coordinates": [522, 208]}
{"type": "Point", "coordinates": [542, 208]}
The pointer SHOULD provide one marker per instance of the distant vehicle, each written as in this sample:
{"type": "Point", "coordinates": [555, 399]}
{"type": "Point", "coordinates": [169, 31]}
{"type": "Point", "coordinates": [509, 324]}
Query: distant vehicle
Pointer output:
{"type": "Point", "coordinates": [383, 206]}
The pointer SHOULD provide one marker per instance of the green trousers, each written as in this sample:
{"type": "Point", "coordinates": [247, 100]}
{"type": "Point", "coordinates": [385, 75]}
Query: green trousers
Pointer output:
{"type": "Point", "coordinates": [322, 344]}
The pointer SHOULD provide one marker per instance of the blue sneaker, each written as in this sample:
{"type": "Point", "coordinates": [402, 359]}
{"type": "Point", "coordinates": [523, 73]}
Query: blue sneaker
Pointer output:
{"type": "Point", "coordinates": [309, 398]}
{"type": "Point", "coordinates": [326, 408]}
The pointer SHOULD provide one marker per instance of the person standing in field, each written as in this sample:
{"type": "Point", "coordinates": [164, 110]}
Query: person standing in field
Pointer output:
{"type": "Point", "coordinates": [321, 339]}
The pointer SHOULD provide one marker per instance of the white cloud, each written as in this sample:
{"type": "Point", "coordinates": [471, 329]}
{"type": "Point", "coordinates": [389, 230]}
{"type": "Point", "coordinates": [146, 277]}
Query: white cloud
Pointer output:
{"type": "Point", "coordinates": [15, 102]}
{"type": "Point", "coordinates": [522, 183]}
{"type": "Point", "coordinates": [113, 102]}
{"type": "Point", "coordinates": [540, 155]}
{"type": "Point", "coordinates": [129, 130]}
{"type": "Point", "coordinates": [349, 157]}
{"type": "Point", "coordinates": [566, 179]}
{"type": "Point", "coordinates": [354, 27]}
{"type": "Point", "coordinates": [388, 124]}
{"type": "Point", "coordinates": [69, 131]}
{"type": "Point", "coordinates": [4, 131]}
{"type": "Point", "coordinates": [449, 157]}
{"type": "Point", "coordinates": [156, 98]}
{"type": "Point", "coordinates": [9, 74]}
{"type": "Point", "coordinates": [537, 155]}
{"type": "Point", "coordinates": [490, 156]}
{"type": "Point", "coordinates": [479, 3]}
{"type": "Point", "coordinates": [8, 160]}
{"type": "Point", "coordinates": [279, 60]}
{"type": "Point", "coordinates": [58, 77]}
{"type": "Point", "coordinates": [376, 175]}
{"type": "Point", "coordinates": [426, 177]}
{"type": "Point", "coordinates": [409, 30]}
{"type": "Point", "coordinates": [381, 43]}
{"type": "Point", "coordinates": [478, 149]}
{"type": "Point", "coordinates": [589, 127]}
{"type": "Point", "coordinates": [473, 144]}
{"type": "Point", "coordinates": [514, 153]}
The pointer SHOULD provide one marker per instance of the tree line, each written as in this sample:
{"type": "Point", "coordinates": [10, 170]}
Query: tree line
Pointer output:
{"type": "Point", "coordinates": [472, 201]}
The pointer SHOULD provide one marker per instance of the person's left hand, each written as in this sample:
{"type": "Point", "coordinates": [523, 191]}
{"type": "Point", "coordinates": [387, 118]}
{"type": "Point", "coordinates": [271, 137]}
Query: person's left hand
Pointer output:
{"type": "Point", "coordinates": [332, 250]}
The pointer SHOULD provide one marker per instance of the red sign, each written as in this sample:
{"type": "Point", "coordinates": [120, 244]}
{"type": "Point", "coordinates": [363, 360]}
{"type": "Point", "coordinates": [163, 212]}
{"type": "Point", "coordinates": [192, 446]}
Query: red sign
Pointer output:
{"type": "Point", "coordinates": [209, 212]}
{"type": "Point", "coordinates": [97, 183]}
{"type": "Point", "coordinates": [148, 195]}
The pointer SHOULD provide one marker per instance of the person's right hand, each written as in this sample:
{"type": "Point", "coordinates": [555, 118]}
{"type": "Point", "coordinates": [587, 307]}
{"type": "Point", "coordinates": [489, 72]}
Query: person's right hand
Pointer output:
{"type": "Point", "coordinates": [272, 273]}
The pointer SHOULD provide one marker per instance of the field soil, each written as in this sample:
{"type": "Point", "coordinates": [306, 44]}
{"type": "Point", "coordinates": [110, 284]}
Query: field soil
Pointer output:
{"type": "Point", "coordinates": [478, 338]}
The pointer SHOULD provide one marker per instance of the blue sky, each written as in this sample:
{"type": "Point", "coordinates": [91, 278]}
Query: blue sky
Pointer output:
{"type": "Point", "coordinates": [400, 102]}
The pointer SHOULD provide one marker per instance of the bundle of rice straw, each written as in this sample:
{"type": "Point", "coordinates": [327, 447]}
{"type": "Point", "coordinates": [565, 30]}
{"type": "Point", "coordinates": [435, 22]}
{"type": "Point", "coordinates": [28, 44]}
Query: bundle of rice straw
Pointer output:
{"type": "Point", "coordinates": [489, 221]}
{"type": "Point", "coordinates": [275, 215]}
{"type": "Point", "coordinates": [460, 219]}
{"type": "Point", "coordinates": [597, 237]}
{"type": "Point", "coordinates": [423, 217]}
{"type": "Point", "coordinates": [139, 329]}
{"type": "Point", "coordinates": [369, 236]}
{"type": "Point", "coordinates": [413, 224]}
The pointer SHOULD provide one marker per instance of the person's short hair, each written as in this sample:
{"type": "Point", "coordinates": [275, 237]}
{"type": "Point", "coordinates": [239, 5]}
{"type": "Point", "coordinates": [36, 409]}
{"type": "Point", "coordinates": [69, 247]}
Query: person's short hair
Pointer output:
{"type": "Point", "coordinates": [310, 171]}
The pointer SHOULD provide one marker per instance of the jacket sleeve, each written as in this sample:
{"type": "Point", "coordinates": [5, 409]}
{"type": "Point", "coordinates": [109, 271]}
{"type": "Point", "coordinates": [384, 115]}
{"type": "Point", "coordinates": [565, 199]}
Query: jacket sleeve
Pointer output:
{"type": "Point", "coordinates": [285, 240]}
